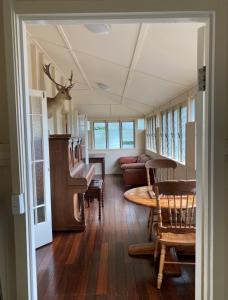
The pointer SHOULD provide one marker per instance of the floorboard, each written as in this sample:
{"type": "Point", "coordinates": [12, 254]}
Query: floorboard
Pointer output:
{"type": "Point", "coordinates": [95, 264]}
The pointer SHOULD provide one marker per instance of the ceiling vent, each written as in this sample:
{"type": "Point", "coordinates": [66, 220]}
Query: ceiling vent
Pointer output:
{"type": "Point", "coordinates": [103, 86]}
{"type": "Point", "coordinates": [99, 28]}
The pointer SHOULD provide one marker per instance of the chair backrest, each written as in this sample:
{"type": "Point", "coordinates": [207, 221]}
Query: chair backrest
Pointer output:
{"type": "Point", "coordinates": [163, 169]}
{"type": "Point", "coordinates": [176, 205]}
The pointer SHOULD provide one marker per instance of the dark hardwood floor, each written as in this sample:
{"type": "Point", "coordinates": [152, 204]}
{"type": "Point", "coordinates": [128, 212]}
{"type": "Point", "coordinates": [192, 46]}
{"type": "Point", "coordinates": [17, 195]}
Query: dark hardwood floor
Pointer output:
{"type": "Point", "coordinates": [95, 264]}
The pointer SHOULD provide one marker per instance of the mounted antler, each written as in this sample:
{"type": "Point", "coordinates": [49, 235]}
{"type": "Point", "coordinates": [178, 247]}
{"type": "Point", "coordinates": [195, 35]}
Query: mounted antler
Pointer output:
{"type": "Point", "coordinates": [63, 94]}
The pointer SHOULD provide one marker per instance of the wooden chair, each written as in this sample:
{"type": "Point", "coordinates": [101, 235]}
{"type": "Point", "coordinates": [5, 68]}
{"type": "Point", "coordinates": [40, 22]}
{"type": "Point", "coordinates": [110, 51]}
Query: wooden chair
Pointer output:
{"type": "Point", "coordinates": [162, 169]}
{"type": "Point", "coordinates": [96, 191]}
{"type": "Point", "coordinates": [176, 224]}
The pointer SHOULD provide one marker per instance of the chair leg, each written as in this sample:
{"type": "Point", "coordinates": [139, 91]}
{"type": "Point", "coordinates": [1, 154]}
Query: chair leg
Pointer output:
{"type": "Point", "coordinates": [155, 250]}
{"type": "Point", "coordinates": [151, 223]}
{"type": "Point", "coordinates": [99, 203]}
{"type": "Point", "coordinates": [161, 266]}
{"type": "Point", "coordinates": [102, 195]}
{"type": "Point", "coordinates": [148, 222]}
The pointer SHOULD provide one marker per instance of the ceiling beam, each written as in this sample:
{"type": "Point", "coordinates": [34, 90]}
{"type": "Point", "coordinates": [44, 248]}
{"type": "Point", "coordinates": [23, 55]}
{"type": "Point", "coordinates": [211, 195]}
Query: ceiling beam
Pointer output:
{"type": "Point", "coordinates": [74, 56]}
{"type": "Point", "coordinates": [143, 30]}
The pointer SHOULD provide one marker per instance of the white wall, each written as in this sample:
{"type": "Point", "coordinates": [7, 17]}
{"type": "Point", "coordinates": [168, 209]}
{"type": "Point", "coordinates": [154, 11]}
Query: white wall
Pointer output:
{"type": "Point", "coordinates": [112, 156]}
{"type": "Point", "coordinates": [38, 80]}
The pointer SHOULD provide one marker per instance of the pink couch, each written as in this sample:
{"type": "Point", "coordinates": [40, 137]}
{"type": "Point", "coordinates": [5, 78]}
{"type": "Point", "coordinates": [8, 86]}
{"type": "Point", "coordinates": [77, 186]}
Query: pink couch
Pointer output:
{"type": "Point", "coordinates": [134, 171]}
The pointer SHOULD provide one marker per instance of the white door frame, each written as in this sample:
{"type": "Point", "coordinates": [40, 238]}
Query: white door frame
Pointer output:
{"type": "Point", "coordinates": [17, 78]}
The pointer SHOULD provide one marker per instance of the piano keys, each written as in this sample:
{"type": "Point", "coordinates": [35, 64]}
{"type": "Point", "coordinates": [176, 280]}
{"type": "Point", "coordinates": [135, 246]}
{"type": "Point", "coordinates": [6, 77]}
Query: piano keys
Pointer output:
{"type": "Point", "coordinates": [70, 178]}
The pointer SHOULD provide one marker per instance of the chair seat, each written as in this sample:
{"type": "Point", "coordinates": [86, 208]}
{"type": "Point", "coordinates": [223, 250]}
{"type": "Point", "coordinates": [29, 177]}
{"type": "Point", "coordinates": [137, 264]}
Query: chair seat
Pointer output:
{"type": "Point", "coordinates": [185, 239]}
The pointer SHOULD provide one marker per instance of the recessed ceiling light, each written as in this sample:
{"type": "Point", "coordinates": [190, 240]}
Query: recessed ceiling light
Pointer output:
{"type": "Point", "coordinates": [99, 28]}
{"type": "Point", "coordinates": [103, 86]}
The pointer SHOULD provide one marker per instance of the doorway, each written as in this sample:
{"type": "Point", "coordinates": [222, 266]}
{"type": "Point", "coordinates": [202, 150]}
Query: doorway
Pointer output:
{"type": "Point", "coordinates": [200, 254]}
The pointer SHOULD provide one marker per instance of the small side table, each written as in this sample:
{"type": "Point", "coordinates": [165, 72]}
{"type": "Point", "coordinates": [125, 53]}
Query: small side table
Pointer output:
{"type": "Point", "coordinates": [98, 158]}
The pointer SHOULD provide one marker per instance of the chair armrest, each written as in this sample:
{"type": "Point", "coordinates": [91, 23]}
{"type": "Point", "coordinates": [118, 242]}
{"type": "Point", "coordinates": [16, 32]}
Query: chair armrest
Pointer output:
{"type": "Point", "coordinates": [127, 160]}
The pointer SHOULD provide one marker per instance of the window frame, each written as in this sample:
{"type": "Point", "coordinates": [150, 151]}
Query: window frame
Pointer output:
{"type": "Point", "coordinates": [100, 121]}
{"type": "Point", "coordinates": [121, 136]}
{"type": "Point", "coordinates": [107, 135]}
{"type": "Point", "coordinates": [169, 113]}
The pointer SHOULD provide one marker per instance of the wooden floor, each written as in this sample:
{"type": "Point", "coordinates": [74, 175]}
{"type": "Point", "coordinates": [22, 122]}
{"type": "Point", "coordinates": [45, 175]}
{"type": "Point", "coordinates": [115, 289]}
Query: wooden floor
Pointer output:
{"type": "Point", "coordinates": [95, 264]}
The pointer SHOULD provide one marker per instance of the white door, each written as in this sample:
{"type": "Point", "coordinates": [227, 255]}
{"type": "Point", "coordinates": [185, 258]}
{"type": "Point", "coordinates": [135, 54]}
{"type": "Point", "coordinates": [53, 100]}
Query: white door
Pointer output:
{"type": "Point", "coordinates": [40, 168]}
{"type": "Point", "coordinates": [202, 117]}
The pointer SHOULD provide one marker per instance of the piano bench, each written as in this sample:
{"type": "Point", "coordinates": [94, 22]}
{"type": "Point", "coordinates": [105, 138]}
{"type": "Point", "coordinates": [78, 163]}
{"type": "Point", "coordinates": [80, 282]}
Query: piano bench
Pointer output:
{"type": "Point", "coordinates": [95, 191]}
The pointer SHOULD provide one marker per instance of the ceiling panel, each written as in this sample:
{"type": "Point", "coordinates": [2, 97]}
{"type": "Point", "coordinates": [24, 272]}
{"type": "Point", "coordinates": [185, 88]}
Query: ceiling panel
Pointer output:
{"type": "Point", "coordinates": [99, 71]}
{"type": "Point", "coordinates": [153, 92]}
{"type": "Point", "coordinates": [46, 33]}
{"type": "Point", "coordinates": [170, 52]}
{"type": "Point", "coordinates": [137, 106]}
{"type": "Point", "coordinates": [91, 97]}
{"type": "Point", "coordinates": [119, 111]}
{"type": "Point", "coordinates": [116, 47]}
{"type": "Point", "coordinates": [64, 60]}
{"type": "Point", "coordinates": [95, 111]}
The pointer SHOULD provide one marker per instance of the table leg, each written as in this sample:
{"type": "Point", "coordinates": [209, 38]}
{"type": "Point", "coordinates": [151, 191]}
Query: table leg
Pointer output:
{"type": "Point", "coordinates": [103, 169]}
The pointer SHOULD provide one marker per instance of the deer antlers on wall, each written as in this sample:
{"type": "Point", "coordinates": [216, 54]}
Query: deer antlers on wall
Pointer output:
{"type": "Point", "coordinates": [57, 102]}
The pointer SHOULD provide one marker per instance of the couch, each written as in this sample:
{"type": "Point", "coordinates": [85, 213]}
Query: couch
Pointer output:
{"type": "Point", "coordinates": [134, 171]}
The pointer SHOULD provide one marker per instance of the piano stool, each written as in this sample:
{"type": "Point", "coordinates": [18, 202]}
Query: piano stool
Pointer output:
{"type": "Point", "coordinates": [96, 191]}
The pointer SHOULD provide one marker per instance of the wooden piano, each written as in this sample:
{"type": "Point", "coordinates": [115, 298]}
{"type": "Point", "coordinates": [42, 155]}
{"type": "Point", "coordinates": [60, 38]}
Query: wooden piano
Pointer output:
{"type": "Point", "coordinates": [70, 178]}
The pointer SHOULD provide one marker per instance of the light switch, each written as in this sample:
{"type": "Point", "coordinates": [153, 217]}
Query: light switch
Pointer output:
{"type": "Point", "coordinates": [18, 204]}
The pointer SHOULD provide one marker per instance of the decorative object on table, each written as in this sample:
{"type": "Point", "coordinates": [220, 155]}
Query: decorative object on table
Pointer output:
{"type": "Point", "coordinates": [96, 191]}
{"type": "Point", "coordinates": [162, 169]}
{"type": "Point", "coordinates": [134, 172]}
{"type": "Point", "coordinates": [57, 102]}
{"type": "Point", "coordinates": [178, 227]}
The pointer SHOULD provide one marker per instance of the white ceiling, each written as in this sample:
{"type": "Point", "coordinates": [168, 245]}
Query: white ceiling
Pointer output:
{"type": "Point", "coordinates": [145, 65]}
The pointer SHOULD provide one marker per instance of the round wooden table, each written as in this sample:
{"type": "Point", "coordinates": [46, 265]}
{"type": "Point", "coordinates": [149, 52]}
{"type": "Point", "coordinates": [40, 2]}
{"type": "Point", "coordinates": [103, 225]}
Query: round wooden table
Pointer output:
{"type": "Point", "coordinates": [146, 197]}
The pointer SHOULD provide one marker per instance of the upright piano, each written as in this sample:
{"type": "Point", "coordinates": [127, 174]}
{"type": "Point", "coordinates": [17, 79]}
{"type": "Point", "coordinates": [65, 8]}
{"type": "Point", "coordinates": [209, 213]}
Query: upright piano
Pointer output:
{"type": "Point", "coordinates": [70, 178]}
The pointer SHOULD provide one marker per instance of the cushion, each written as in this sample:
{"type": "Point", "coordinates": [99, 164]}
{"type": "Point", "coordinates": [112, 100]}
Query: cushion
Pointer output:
{"type": "Point", "coordinates": [142, 158]}
{"type": "Point", "coordinates": [127, 160]}
{"type": "Point", "coordinates": [133, 166]}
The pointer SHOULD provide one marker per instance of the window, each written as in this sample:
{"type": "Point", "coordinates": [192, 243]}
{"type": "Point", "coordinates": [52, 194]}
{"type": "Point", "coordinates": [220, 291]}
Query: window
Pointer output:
{"type": "Point", "coordinates": [99, 135]}
{"type": "Point", "coordinates": [172, 125]}
{"type": "Point", "coordinates": [151, 133]}
{"type": "Point", "coordinates": [141, 124]}
{"type": "Point", "coordinates": [176, 135]}
{"type": "Point", "coordinates": [183, 121]}
{"type": "Point", "coordinates": [113, 135]}
{"type": "Point", "coordinates": [164, 134]}
{"type": "Point", "coordinates": [154, 133]}
{"type": "Point", "coordinates": [170, 134]}
{"type": "Point", "coordinates": [192, 112]}
{"type": "Point", "coordinates": [128, 135]}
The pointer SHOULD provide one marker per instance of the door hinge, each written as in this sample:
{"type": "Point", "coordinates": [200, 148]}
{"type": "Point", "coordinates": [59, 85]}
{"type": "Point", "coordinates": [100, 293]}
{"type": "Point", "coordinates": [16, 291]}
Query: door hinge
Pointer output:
{"type": "Point", "coordinates": [202, 79]}
{"type": "Point", "coordinates": [44, 94]}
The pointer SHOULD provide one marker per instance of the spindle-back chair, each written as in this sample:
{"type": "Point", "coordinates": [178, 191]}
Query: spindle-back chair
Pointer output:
{"type": "Point", "coordinates": [176, 222]}
{"type": "Point", "coordinates": [162, 169]}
